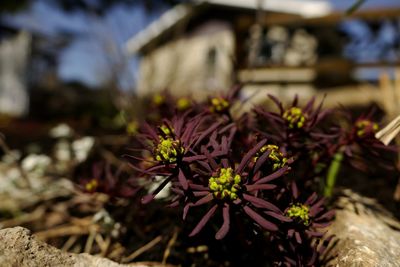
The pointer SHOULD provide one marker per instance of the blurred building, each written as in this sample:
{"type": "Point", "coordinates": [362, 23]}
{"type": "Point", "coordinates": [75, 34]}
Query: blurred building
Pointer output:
{"type": "Point", "coordinates": [269, 45]}
{"type": "Point", "coordinates": [14, 59]}
{"type": "Point", "coordinates": [28, 62]}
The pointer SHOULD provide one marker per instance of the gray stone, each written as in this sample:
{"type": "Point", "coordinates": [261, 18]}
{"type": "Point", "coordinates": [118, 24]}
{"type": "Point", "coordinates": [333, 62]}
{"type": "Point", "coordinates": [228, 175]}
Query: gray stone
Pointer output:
{"type": "Point", "coordinates": [366, 234]}
{"type": "Point", "coordinates": [21, 249]}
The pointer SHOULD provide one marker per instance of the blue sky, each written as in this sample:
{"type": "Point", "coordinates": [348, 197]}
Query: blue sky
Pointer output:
{"type": "Point", "coordinates": [98, 42]}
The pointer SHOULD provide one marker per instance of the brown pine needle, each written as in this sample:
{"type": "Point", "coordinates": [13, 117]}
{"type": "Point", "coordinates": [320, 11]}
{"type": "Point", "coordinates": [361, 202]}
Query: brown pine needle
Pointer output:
{"type": "Point", "coordinates": [143, 249]}
{"type": "Point", "coordinates": [170, 244]}
{"type": "Point", "coordinates": [89, 241]}
{"type": "Point", "coordinates": [70, 242]}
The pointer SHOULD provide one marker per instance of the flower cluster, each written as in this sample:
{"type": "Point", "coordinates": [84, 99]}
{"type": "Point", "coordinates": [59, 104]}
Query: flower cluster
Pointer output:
{"type": "Point", "coordinates": [226, 184]}
{"type": "Point", "coordinates": [217, 164]}
{"type": "Point", "coordinates": [107, 179]}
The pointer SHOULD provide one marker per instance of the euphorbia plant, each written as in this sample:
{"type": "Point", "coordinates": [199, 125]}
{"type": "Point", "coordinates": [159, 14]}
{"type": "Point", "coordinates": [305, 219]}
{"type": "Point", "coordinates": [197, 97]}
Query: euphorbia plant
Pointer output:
{"type": "Point", "coordinates": [260, 170]}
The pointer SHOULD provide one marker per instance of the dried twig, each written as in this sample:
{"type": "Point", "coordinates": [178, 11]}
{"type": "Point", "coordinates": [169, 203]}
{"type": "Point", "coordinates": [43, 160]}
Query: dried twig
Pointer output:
{"type": "Point", "coordinates": [89, 241]}
{"type": "Point", "coordinates": [142, 249]}
{"type": "Point", "coordinates": [64, 230]}
{"type": "Point", "coordinates": [24, 218]}
{"type": "Point", "coordinates": [103, 244]}
{"type": "Point", "coordinates": [70, 242]}
{"type": "Point", "coordinates": [116, 251]}
{"type": "Point", "coordinates": [170, 244]}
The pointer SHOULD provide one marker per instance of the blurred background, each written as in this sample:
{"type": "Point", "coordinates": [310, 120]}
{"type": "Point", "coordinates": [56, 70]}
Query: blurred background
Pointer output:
{"type": "Point", "coordinates": [76, 76]}
{"type": "Point", "coordinates": [85, 60]}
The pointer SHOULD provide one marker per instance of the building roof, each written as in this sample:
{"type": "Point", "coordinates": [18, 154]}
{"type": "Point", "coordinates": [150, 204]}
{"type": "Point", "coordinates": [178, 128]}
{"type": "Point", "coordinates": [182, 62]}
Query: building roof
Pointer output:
{"type": "Point", "coordinates": [303, 8]}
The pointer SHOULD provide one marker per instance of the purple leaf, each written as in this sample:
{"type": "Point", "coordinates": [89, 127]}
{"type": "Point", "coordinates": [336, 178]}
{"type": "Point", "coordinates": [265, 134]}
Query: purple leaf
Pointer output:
{"type": "Point", "coordinates": [260, 220]}
{"type": "Point", "coordinates": [225, 226]}
{"type": "Point", "coordinates": [298, 237]}
{"type": "Point", "coordinates": [278, 216]}
{"type": "Point", "coordinates": [205, 165]}
{"type": "Point", "coordinates": [225, 163]}
{"type": "Point", "coordinates": [314, 233]}
{"type": "Point", "coordinates": [193, 158]}
{"type": "Point", "coordinates": [316, 208]}
{"type": "Point", "coordinates": [261, 203]}
{"type": "Point", "coordinates": [309, 105]}
{"type": "Point", "coordinates": [207, 198]}
{"type": "Point", "coordinates": [186, 210]}
{"type": "Point", "coordinates": [277, 102]}
{"type": "Point", "coordinates": [249, 155]}
{"type": "Point", "coordinates": [311, 199]}
{"type": "Point", "coordinates": [200, 193]}
{"type": "Point", "coordinates": [182, 179]}
{"type": "Point", "coordinates": [147, 171]}
{"type": "Point", "coordinates": [207, 132]}
{"type": "Point", "coordinates": [211, 161]}
{"type": "Point", "coordinates": [261, 160]}
{"type": "Point", "coordinates": [295, 100]}
{"type": "Point", "coordinates": [254, 187]}
{"type": "Point", "coordinates": [204, 220]}
{"type": "Point", "coordinates": [295, 190]}
{"type": "Point", "coordinates": [328, 215]}
{"type": "Point", "coordinates": [198, 187]}
{"type": "Point", "coordinates": [150, 131]}
{"type": "Point", "coordinates": [273, 176]}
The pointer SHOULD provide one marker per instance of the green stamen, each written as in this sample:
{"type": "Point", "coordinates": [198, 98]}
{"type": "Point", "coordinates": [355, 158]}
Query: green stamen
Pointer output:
{"type": "Point", "coordinates": [183, 103]}
{"type": "Point", "coordinates": [295, 117]}
{"type": "Point", "coordinates": [365, 127]}
{"type": "Point", "coordinates": [92, 185]}
{"type": "Point", "coordinates": [132, 127]}
{"type": "Point", "coordinates": [166, 130]}
{"type": "Point", "coordinates": [158, 99]}
{"type": "Point", "coordinates": [168, 150]}
{"type": "Point", "coordinates": [299, 212]}
{"type": "Point", "coordinates": [218, 104]}
{"type": "Point", "coordinates": [275, 156]}
{"type": "Point", "coordinates": [226, 185]}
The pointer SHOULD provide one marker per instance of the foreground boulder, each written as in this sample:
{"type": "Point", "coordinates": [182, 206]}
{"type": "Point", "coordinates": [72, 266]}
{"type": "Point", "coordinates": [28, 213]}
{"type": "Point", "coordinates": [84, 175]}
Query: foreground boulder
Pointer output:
{"type": "Point", "coordinates": [365, 234]}
{"type": "Point", "coordinates": [19, 248]}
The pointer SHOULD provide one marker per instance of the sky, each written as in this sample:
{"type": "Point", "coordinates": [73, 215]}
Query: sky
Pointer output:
{"type": "Point", "coordinates": [98, 43]}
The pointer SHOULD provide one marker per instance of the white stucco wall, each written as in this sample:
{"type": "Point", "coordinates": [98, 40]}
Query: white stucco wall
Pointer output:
{"type": "Point", "coordinates": [196, 63]}
{"type": "Point", "coordinates": [14, 51]}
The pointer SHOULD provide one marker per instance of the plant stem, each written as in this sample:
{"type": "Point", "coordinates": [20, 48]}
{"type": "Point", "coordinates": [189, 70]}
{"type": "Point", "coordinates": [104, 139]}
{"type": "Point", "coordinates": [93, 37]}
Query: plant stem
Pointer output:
{"type": "Point", "coordinates": [332, 173]}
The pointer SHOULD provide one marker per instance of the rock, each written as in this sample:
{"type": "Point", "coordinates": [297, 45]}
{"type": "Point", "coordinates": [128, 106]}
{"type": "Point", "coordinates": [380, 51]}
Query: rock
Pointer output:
{"type": "Point", "coordinates": [19, 248]}
{"type": "Point", "coordinates": [365, 235]}
{"type": "Point", "coordinates": [62, 130]}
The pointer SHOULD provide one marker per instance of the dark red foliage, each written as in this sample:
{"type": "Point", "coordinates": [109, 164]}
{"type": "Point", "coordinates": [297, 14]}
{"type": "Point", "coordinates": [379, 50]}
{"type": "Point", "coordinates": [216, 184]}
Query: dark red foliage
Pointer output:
{"type": "Point", "coordinates": [258, 172]}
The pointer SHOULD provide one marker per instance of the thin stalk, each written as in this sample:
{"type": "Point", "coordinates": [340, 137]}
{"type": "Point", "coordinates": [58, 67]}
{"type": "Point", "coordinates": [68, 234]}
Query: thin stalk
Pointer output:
{"type": "Point", "coordinates": [332, 174]}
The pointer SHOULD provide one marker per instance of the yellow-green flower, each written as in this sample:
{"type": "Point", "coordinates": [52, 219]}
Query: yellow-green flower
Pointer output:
{"type": "Point", "coordinates": [183, 103]}
{"type": "Point", "coordinates": [219, 104]}
{"type": "Point", "coordinates": [366, 127]}
{"type": "Point", "coordinates": [295, 117]}
{"type": "Point", "coordinates": [168, 150]}
{"type": "Point", "coordinates": [226, 185]}
{"type": "Point", "coordinates": [166, 130]}
{"type": "Point", "coordinates": [158, 99]}
{"type": "Point", "coordinates": [92, 185]}
{"type": "Point", "coordinates": [299, 212]}
{"type": "Point", "coordinates": [132, 127]}
{"type": "Point", "coordinates": [275, 156]}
